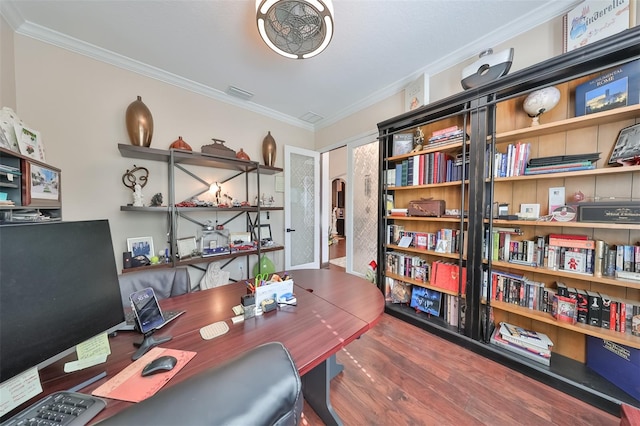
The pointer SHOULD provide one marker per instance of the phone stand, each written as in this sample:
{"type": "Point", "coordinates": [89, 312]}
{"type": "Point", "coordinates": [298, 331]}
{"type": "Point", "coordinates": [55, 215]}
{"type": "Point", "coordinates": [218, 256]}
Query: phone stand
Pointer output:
{"type": "Point", "coordinates": [147, 343]}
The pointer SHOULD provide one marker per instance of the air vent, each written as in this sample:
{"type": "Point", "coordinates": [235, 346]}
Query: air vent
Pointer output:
{"type": "Point", "coordinates": [311, 117]}
{"type": "Point", "coordinates": [239, 93]}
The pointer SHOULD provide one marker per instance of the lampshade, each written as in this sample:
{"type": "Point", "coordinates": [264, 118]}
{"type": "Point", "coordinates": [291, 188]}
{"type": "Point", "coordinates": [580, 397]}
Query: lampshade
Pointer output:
{"type": "Point", "coordinates": [296, 29]}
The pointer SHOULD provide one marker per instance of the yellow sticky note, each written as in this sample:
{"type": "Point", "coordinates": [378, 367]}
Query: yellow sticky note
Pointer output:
{"type": "Point", "coordinates": [93, 347]}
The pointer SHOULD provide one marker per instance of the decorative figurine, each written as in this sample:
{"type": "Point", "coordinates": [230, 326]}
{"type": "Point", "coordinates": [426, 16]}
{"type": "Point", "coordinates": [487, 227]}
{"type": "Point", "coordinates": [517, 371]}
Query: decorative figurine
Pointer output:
{"type": "Point", "coordinates": [156, 200]}
{"type": "Point", "coordinates": [138, 197]}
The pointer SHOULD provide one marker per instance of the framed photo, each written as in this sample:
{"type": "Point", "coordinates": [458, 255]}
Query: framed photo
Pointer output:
{"type": "Point", "coordinates": [402, 143]}
{"type": "Point", "coordinates": [141, 246]}
{"type": "Point", "coordinates": [265, 232]}
{"type": "Point", "coordinates": [187, 247]}
{"type": "Point", "coordinates": [529, 211]}
{"type": "Point", "coordinates": [41, 185]}
{"type": "Point", "coordinates": [416, 93]}
{"type": "Point", "coordinates": [30, 142]}
{"type": "Point", "coordinates": [627, 148]}
{"type": "Point", "coordinates": [593, 20]}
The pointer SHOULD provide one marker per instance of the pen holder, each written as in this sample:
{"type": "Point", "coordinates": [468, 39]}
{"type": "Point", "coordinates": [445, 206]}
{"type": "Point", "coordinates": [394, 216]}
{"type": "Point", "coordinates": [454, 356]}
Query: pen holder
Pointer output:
{"type": "Point", "coordinates": [273, 290]}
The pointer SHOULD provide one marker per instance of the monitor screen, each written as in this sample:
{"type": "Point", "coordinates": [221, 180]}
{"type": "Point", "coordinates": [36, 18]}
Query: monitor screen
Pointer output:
{"type": "Point", "coordinates": [58, 287]}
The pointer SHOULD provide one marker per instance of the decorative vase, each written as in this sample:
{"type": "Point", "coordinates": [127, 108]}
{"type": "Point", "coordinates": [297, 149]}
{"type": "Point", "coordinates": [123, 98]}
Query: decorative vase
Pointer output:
{"type": "Point", "coordinates": [180, 144]}
{"type": "Point", "coordinates": [139, 123]}
{"type": "Point", "coordinates": [264, 266]}
{"type": "Point", "coordinates": [241, 155]}
{"type": "Point", "coordinates": [539, 102]}
{"type": "Point", "coordinates": [269, 150]}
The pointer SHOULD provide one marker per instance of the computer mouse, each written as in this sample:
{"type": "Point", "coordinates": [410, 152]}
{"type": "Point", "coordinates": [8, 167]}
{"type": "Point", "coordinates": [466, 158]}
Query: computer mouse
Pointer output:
{"type": "Point", "coordinates": [160, 365]}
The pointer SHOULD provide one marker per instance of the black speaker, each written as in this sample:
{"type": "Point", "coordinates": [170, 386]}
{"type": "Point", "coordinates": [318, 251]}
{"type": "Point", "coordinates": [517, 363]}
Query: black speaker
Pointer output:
{"type": "Point", "coordinates": [126, 260]}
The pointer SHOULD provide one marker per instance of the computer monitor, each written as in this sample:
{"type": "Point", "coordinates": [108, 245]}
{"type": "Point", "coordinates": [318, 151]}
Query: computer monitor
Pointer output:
{"type": "Point", "coordinates": [58, 287]}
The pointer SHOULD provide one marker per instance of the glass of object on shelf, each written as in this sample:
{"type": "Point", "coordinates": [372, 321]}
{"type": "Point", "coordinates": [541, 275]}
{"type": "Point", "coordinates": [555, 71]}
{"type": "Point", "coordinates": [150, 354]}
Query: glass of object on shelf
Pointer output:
{"type": "Point", "coordinates": [539, 102]}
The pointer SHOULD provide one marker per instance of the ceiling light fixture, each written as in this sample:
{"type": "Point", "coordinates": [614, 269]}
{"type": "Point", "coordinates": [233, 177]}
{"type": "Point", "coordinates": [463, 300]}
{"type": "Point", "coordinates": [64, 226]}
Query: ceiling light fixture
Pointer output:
{"type": "Point", "coordinates": [296, 29]}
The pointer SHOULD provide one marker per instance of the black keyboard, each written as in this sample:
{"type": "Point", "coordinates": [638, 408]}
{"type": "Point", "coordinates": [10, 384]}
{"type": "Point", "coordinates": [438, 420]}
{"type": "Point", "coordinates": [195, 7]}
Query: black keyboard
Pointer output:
{"type": "Point", "coordinates": [63, 408]}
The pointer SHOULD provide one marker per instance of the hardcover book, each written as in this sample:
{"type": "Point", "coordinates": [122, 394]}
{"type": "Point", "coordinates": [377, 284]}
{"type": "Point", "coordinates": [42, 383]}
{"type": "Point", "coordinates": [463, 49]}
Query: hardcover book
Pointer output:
{"type": "Point", "coordinates": [426, 300]}
{"type": "Point", "coordinates": [496, 339]}
{"type": "Point", "coordinates": [526, 338]}
{"type": "Point", "coordinates": [615, 88]}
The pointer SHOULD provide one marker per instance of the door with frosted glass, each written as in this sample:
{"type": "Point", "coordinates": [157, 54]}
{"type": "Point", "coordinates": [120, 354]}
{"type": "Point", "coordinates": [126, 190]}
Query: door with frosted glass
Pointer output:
{"type": "Point", "coordinates": [362, 204]}
{"type": "Point", "coordinates": [301, 208]}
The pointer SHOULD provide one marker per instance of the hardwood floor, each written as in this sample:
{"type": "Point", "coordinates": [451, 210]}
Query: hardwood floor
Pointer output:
{"type": "Point", "coordinates": [398, 374]}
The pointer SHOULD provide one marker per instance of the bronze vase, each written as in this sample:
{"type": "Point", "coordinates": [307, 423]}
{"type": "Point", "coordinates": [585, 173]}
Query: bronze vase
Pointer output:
{"type": "Point", "coordinates": [269, 150]}
{"type": "Point", "coordinates": [139, 123]}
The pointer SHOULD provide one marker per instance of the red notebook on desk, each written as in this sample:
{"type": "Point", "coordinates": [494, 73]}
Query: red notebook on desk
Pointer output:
{"type": "Point", "coordinates": [129, 385]}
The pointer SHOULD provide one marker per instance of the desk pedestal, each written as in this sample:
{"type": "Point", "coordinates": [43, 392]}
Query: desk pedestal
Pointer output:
{"type": "Point", "coordinates": [315, 387]}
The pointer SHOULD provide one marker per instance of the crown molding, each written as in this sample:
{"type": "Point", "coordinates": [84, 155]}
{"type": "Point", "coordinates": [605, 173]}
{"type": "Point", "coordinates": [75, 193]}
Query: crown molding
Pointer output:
{"type": "Point", "coordinates": [535, 17]}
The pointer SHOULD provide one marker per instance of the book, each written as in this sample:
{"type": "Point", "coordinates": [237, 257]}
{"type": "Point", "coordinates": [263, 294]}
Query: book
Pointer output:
{"type": "Point", "coordinates": [529, 171]}
{"type": "Point", "coordinates": [524, 336]}
{"type": "Point", "coordinates": [496, 339]}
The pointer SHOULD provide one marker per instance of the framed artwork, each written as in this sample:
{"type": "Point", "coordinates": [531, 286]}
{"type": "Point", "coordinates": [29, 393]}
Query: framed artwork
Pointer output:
{"type": "Point", "coordinates": [265, 232]}
{"type": "Point", "coordinates": [30, 142]}
{"type": "Point", "coordinates": [186, 247]}
{"type": "Point", "coordinates": [416, 94]}
{"type": "Point", "coordinates": [141, 246]}
{"type": "Point", "coordinates": [41, 185]}
{"type": "Point", "coordinates": [627, 148]}
{"type": "Point", "coordinates": [529, 211]}
{"type": "Point", "coordinates": [593, 20]}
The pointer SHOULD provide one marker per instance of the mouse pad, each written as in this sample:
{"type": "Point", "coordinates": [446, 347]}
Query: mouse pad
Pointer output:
{"type": "Point", "coordinates": [129, 385]}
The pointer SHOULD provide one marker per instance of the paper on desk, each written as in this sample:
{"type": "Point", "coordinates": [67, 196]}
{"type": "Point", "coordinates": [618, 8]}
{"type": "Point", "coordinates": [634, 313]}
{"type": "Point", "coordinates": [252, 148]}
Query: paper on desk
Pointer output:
{"type": "Point", "coordinates": [129, 385]}
{"type": "Point", "coordinates": [98, 345]}
{"type": "Point", "coordinates": [19, 389]}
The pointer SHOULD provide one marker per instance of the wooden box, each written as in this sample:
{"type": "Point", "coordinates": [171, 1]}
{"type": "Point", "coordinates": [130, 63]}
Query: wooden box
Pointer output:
{"type": "Point", "coordinates": [426, 207]}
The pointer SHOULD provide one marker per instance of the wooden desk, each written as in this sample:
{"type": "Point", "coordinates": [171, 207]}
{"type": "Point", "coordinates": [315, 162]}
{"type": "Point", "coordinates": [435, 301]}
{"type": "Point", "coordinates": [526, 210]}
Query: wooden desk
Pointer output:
{"type": "Point", "coordinates": [324, 321]}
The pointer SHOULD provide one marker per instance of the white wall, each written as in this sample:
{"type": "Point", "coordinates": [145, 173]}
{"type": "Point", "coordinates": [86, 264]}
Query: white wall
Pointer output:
{"type": "Point", "coordinates": [7, 74]}
{"type": "Point", "coordinates": [78, 104]}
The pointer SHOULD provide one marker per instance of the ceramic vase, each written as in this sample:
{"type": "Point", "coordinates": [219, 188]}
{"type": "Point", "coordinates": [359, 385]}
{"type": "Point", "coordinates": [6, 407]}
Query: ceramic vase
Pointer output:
{"type": "Point", "coordinates": [269, 150]}
{"type": "Point", "coordinates": [139, 123]}
{"type": "Point", "coordinates": [241, 155]}
{"type": "Point", "coordinates": [180, 144]}
{"type": "Point", "coordinates": [264, 266]}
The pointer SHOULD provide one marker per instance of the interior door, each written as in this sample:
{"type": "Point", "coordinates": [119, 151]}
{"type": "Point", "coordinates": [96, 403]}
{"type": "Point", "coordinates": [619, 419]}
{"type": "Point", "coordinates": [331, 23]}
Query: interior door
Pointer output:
{"type": "Point", "coordinates": [301, 208]}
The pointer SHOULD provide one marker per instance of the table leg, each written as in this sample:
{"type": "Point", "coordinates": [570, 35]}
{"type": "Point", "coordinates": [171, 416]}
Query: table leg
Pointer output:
{"type": "Point", "coordinates": [334, 367]}
{"type": "Point", "coordinates": [315, 388]}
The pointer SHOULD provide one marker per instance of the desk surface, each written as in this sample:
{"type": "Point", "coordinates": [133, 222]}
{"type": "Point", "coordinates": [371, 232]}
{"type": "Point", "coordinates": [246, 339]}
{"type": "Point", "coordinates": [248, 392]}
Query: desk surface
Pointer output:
{"type": "Point", "coordinates": [334, 308]}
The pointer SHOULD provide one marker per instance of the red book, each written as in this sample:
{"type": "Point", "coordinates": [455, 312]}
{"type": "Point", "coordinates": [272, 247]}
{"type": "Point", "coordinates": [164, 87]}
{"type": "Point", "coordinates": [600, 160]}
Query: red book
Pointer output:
{"type": "Point", "coordinates": [569, 236]}
{"type": "Point", "coordinates": [421, 170]}
{"type": "Point", "coordinates": [622, 315]}
{"type": "Point", "coordinates": [612, 315]}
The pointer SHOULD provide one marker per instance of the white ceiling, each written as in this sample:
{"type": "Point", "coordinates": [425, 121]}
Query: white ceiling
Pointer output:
{"type": "Point", "coordinates": [206, 46]}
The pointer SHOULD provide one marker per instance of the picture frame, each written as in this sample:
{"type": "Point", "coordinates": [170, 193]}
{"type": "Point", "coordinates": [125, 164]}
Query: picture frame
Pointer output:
{"type": "Point", "coordinates": [416, 94]}
{"type": "Point", "coordinates": [41, 185]}
{"type": "Point", "coordinates": [529, 211]}
{"type": "Point", "coordinates": [265, 232]}
{"type": "Point", "coordinates": [626, 150]}
{"type": "Point", "coordinates": [187, 247]}
{"type": "Point", "coordinates": [594, 20]}
{"type": "Point", "coordinates": [141, 246]}
{"type": "Point", "coordinates": [30, 142]}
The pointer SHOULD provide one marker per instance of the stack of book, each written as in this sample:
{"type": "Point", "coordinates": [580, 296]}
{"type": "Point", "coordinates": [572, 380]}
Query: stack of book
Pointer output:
{"type": "Point", "coordinates": [562, 163]}
{"type": "Point", "coordinates": [527, 343]}
{"type": "Point", "coordinates": [445, 136]}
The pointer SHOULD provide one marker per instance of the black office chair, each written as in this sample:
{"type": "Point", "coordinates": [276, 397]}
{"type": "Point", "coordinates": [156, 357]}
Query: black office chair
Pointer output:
{"type": "Point", "coordinates": [166, 282]}
{"type": "Point", "coordinates": [260, 387]}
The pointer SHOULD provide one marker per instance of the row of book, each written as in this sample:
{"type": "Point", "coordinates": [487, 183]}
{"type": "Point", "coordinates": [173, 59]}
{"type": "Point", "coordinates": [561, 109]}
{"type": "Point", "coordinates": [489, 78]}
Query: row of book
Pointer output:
{"type": "Point", "coordinates": [566, 252]}
{"type": "Point", "coordinates": [567, 304]}
{"type": "Point", "coordinates": [444, 240]}
{"type": "Point", "coordinates": [512, 162]}
{"type": "Point", "coordinates": [531, 344]}
{"type": "Point", "coordinates": [449, 134]}
{"type": "Point", "coordinates": [409, 266]}
{"type": "Point", "coordinates": [428, 168]}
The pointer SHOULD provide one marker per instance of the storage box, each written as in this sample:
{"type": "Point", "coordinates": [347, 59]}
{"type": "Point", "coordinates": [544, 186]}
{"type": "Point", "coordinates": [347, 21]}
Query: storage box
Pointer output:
{"type": "Point", "coordinates": [609, 212]}
{"type": "Point", "coordinates": [617, 363]}
{"type": "Point", "coordinates": [426, 207]}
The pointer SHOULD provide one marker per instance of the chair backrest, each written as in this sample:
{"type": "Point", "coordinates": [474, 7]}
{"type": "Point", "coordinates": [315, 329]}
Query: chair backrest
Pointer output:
{"type": "Point", "coordinates": [166, 282]}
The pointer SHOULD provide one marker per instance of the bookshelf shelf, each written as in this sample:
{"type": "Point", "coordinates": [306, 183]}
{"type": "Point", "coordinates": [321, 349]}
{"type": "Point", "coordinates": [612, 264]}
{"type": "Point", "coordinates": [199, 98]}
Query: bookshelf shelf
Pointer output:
{"type": "Point", "coordinates": [579, 173]}
{"type": "Point", "coordinates": [614, 336]}
{"type": "Point", "coordinates": [576, 225]}
{"type": "Point", "coordinates": [431, 185]}
{"type": "Point", "coordinates": [563, 274]}
{"type": "Point", "coordinates": [422, 251]}
{"type": "Point", "coordinates": [420, 283]}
